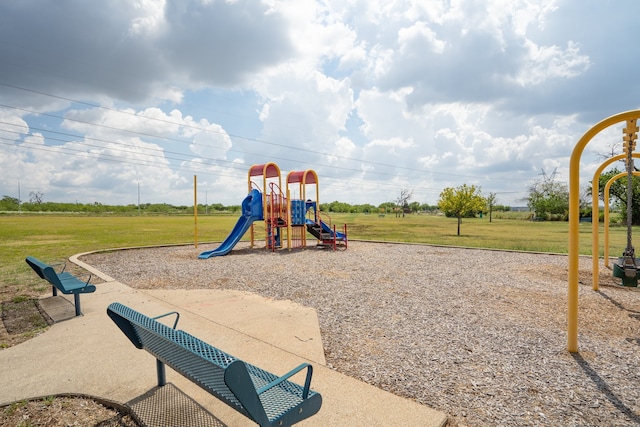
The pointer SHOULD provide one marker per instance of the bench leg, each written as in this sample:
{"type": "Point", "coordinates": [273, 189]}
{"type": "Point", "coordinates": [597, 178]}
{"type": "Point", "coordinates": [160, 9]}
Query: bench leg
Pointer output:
{"type": "Point", "coordinates": [76, 301]}
{"type": "Point", "coordinates": [54, 291]}
{"type": "Point", "coordinates": [162, 376]}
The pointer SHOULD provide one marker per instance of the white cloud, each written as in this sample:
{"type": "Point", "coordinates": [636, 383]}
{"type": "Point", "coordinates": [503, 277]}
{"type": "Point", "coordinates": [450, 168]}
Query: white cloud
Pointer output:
{"type": "Point", "coordinates": [138, 51]}
{"type": "Point", "coordinates": [210, 142]}
{"type": "Point", "coordinates": [412, 37]}
{"type": "Point", "coordinates": [549, 62]}
{"type": "Point", "coordinates": [302, 108]}
{"type": "Point", "coordinates": [150, 20]}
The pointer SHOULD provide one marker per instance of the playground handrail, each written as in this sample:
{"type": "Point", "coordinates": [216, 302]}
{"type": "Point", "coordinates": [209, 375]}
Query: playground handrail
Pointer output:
{"type": "Point", "coordinates": [277, 209]}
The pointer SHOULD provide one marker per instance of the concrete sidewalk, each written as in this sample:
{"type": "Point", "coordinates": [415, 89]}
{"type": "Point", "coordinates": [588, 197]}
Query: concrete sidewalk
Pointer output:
{"type": "Point", "coordinates": [90, 355]}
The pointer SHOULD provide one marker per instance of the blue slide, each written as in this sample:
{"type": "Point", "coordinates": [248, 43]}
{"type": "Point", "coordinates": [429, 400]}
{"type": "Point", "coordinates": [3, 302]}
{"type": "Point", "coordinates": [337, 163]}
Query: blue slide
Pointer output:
{"type": "Point", "coordinates": [251, 211]}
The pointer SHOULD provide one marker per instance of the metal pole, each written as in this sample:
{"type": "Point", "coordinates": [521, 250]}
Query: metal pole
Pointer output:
{"type": "Point", "coordinates": [629, 144]}
{"type": "Point", "coordinates": [629, 251]}
{"type": "Point", "coordinates": [195, 210]}
{"type": "Point", "coordinates": [161, 373]}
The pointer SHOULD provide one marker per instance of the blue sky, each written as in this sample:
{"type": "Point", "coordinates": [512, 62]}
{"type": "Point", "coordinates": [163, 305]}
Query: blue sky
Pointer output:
{"type": "Point", "coordinates": [376, 96]}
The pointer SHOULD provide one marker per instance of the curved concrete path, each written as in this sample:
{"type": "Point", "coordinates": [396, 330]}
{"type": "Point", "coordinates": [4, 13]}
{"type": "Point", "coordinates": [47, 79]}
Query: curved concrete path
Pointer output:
{"type": "Point", "coordinates": [90, 355]}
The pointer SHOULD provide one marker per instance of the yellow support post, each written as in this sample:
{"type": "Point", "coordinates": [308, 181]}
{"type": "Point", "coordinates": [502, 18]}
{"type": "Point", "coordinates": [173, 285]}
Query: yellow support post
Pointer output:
{"type": "Point", "coordinates": [574, 222]}
{"type": "Point", "coordinates": [195, 209]}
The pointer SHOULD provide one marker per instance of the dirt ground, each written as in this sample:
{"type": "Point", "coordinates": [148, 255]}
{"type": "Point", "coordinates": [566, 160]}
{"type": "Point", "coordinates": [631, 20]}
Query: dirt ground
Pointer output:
{"type": "Point", "coordinates": [63, 411]}
{"type": "Point", "coordinates": [22, 319]}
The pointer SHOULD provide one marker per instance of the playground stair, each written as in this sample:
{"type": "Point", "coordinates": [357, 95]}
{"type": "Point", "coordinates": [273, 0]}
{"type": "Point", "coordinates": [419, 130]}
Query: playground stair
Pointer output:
{"type": "Point", "coordinates": [316, 231]}
{"type": "Point", "coordinates": [323, 236]}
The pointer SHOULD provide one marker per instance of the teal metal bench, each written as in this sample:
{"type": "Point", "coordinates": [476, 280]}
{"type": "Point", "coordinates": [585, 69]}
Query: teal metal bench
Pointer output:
{"type": "Point", "coordinates": [261, 396]}
{"type": "Point", "coordinates": [63, 281]}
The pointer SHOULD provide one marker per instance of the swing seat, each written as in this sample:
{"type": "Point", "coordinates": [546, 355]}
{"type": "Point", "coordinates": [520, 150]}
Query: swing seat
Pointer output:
{"type": "Point", "coordinates": [626, 271]}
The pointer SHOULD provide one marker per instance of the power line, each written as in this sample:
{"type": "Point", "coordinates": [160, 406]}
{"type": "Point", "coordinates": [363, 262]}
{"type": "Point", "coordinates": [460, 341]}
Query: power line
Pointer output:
{"type": "Point", "coordinates": [187, 157]}
{"type": "Point", "coordinates": [101, 157]}
{"type": "Point", "coordinates": [261, 141]}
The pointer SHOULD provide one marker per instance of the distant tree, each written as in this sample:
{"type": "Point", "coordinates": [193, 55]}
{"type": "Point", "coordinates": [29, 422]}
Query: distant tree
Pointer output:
{"type": "Point", "coordinates": [335, 206]}
{"type": "Point", "coordinates": [612, 150]}
{"type": "Point", "coordinates": [428, 208]}
{"type": "Point", "coordinates": [414, 206]}
{"type": "Point", "coordinates": [491, 202]}
{"type": "Point", "coordinates": [386, 207]}
{"type": "Point", "coordinates": [366, 208]}
{"type": "Point", "coordinates": [461, 201]}
{"type": "Point", "coordinates": [548, 198]}
{"type": "Point", "coordinates": [9, 203]}
{"type": "Point", "coordinates": [36, 197]}
{"type": "Point", "coordinates": [402, 201]}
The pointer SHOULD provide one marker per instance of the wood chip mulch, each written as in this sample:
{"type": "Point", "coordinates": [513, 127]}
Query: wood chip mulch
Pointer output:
{"type": "Point", "coordinates": [478, 334]}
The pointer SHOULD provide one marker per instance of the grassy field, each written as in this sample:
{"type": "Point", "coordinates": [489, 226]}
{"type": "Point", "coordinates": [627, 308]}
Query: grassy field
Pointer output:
{"type": "Point", "coordinates": [510, 234]}
{"type": "Point", "coordinates": [55, 237]}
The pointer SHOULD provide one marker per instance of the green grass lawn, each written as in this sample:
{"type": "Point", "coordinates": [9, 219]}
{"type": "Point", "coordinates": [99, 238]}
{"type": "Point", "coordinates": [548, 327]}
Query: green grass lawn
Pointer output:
{"type": "Point", "coordinates": [510, 234]}
{"type": "Point", "coordinates": [54, 238]}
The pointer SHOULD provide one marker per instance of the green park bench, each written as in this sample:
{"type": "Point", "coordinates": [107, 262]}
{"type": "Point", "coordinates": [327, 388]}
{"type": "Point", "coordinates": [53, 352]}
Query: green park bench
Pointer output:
{"type": "Point", "coordinates": [261, 396]}
{"type": "Point", "coordinates": [63, 281]}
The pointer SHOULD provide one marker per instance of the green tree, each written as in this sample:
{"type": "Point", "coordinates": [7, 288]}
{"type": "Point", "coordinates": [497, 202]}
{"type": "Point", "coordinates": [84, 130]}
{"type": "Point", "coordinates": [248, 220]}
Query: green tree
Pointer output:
{"type": "Point", "coordinates": [548, 198]}
{"type": "Point", "coordinates": [386, 207]}
{"type": "Point", "coordinates": [9, 203]}
{"type": "Point", "coordinates": [618, 194]}
{"type": "Point", "coordinates": [461, 201]}
{"type": "Point", "coordinates": [335, 206]}
{"type": "Point", "coordinates": [428, 208]}
{"type": "Point", "coordinates": [366, 208]}
{"type": "Point", "coordinates": [414, 206]}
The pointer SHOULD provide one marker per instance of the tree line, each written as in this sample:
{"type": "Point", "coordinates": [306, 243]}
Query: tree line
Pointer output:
{"type": "Point", "coordinates": [12, 204]}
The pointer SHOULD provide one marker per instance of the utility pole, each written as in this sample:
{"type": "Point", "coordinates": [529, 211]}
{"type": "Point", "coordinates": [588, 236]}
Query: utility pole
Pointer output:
{"type": "Point", "coordinates": [19, 202]}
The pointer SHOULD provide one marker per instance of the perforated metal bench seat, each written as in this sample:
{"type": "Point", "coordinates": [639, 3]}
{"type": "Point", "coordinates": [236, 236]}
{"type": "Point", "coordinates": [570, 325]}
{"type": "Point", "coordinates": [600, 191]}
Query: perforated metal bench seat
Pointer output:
{"type": "Point", "coordinates": [64, 281]}
{"type": "Point", "coordinates": [267, 399]}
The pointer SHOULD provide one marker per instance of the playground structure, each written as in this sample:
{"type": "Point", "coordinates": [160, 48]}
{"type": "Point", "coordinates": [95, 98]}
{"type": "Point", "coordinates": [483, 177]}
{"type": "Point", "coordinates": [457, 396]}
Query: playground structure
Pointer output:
{"type": "Point", "coordinates": [626, 266]}
{"type": "Point", "coordinates": [285, 219]}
